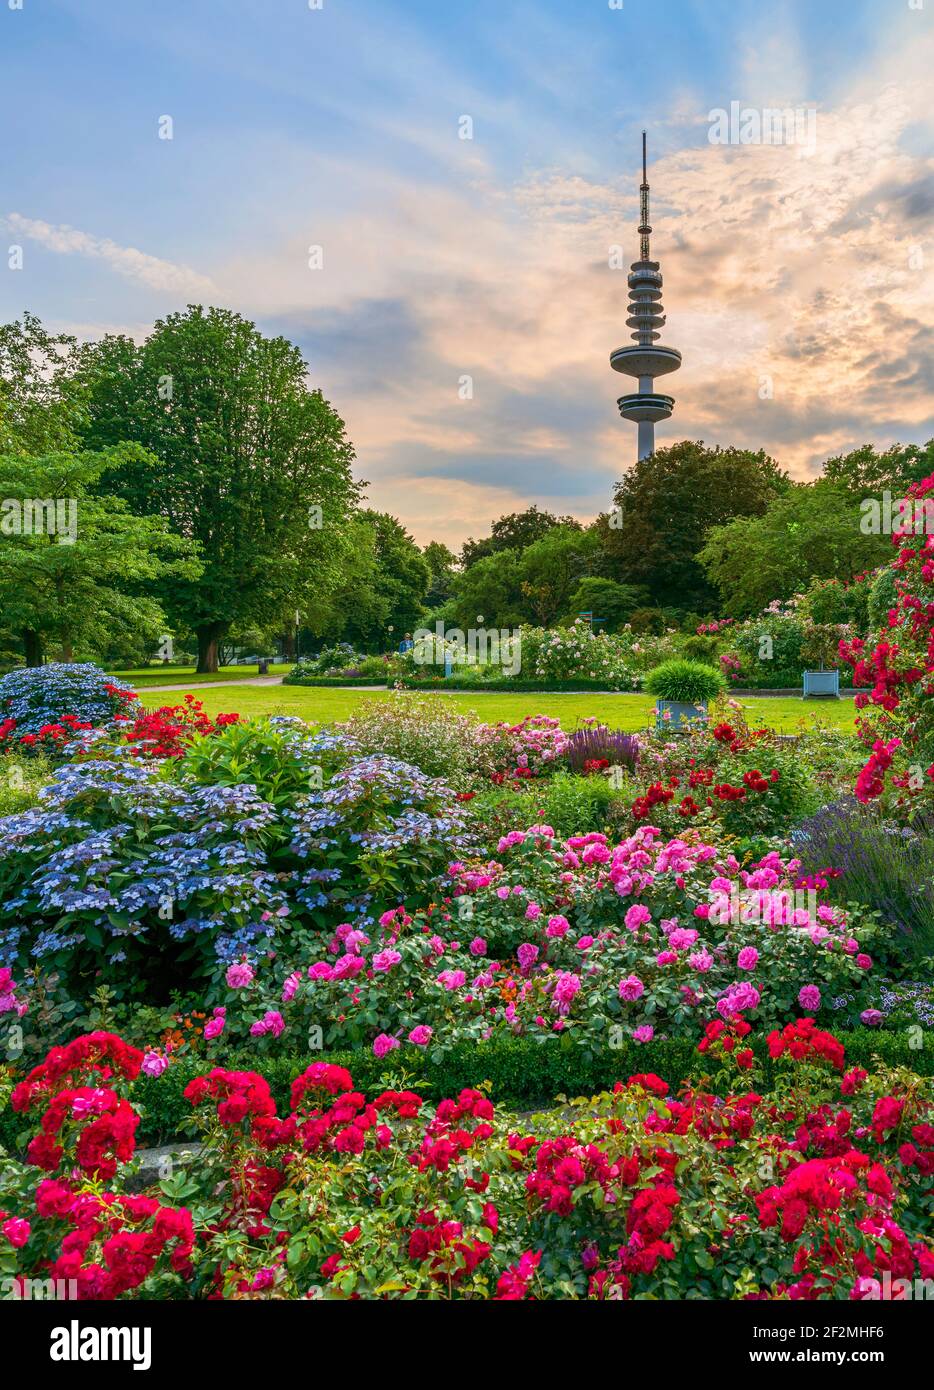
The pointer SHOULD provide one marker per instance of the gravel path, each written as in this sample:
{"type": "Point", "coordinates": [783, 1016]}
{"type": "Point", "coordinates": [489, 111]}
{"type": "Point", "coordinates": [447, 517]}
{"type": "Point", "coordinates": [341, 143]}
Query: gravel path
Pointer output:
{"type": "Point", "coordinates": [213, 685]}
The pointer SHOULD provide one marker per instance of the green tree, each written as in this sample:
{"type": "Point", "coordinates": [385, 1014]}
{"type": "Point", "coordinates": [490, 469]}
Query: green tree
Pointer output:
{"type": "Point", "coordinates": [491, 589]}
{"type": "Point", "coordinates": [40, 403]}
{"type": "Point", "coordinates": [867, 472]}
{"type": "Point", "coordinates": [384, 586]}
{"type": "Point", "coordinates": [809, 533]}
{"type": "Point", "coordinates": [442, 570]}
{"type": "Point", "coordinates": [76, 566]}
{"type": "Point", "coordinates": [665, 506]}
{"type": "Point", "coordinates": [247, 461]}
{"type": "Point", "coordinates": [551, 569]}
{"type": "Point", "coordinates": [514, 531]}
{"type": "Point", "coordinates": [607, 599]}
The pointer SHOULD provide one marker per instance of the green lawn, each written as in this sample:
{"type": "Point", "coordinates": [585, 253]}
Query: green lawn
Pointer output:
{"type": "Point", "coordinates": [325, 706]}
{"type": "Point", "coordinates": [177, 675]}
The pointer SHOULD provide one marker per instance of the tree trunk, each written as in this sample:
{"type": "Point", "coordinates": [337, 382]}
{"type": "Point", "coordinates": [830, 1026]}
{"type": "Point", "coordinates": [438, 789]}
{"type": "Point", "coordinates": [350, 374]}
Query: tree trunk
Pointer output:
{"type": "Point", "coordinates": [32, 647]}
{"type": "Point", "coordinates": [209, 637]}
{"type": "Point", "coordinates": [288, 644]}
{"type": "Point", "coordinates": [68, 652]}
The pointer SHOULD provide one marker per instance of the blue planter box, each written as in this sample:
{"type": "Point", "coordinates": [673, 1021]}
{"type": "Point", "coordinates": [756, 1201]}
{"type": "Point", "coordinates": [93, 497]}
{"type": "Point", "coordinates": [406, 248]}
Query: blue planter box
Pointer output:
{"type": "Point", "coordinates": [680, 716]}
{"type": "Point", "coordinates": [822, 685]}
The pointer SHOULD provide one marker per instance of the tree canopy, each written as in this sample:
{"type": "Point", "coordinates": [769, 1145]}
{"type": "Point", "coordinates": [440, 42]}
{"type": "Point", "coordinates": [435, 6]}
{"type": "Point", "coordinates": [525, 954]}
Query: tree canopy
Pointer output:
{"type": "Point", "coordinates": [383, 585]}
{"type": "Point", "coordinates": [76, 565]}
{"type": "Point", "coordinates": [667, 503]}
{"type": "Point", "coordinates": [514, 531]}
{"type": "Point", "coordinates": [812, 531]}
{"type": "Point", "coordinates": [247, 461]}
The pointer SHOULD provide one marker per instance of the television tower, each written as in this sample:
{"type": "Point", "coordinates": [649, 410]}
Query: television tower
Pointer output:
{"type": "Point", "coordinates": [646, 360]}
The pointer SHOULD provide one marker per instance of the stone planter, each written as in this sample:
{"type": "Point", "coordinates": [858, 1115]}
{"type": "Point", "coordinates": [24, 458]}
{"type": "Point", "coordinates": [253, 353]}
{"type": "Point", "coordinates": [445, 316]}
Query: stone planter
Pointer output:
{"type": "Point", "coordinates": [680, 716]}
{"type": "Point", "coordinates": [822, 685]}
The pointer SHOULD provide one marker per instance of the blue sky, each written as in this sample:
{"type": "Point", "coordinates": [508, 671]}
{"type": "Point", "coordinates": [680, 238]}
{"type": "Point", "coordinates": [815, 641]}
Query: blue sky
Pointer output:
{"type": "Point", "coordinates": [488, 258]}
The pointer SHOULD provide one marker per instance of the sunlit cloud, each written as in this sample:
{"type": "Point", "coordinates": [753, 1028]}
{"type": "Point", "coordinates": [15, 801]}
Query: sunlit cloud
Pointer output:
{"type": "Point", "coordinates": [155, 273]}
{"type": "Point", "coordinates": [463, 307]}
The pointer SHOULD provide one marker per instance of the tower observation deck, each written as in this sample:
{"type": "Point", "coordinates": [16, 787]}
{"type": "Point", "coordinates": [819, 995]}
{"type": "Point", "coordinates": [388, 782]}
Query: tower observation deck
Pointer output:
{"type": "Point", "coordinates": [646, 359]}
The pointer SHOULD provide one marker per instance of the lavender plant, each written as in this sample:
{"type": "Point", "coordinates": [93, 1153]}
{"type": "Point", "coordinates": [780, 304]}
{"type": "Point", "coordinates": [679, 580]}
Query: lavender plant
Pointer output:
{"type": "Point", "coordinates": [888, 867]}
{"type": "Point", "coordinates": [595, 742]}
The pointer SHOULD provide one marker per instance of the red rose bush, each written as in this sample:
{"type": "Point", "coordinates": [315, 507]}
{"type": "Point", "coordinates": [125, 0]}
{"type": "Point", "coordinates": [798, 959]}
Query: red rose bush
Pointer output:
{"type": "Point", "coordinates": [821, 1189]}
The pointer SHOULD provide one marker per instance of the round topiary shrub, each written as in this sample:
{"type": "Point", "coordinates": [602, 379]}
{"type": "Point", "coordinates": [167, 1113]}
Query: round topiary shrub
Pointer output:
{"type": "Point", "coordinates": [687, 682]}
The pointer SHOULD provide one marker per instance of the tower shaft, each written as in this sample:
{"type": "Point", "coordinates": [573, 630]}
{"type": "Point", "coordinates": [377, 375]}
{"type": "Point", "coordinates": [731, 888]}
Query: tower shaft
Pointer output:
{"type": "Point", "coordinates": [647, 359]}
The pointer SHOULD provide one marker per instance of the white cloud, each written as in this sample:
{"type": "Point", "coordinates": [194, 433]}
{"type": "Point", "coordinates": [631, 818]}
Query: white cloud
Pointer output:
{"type": "Point", "coordinates": [151, 271]}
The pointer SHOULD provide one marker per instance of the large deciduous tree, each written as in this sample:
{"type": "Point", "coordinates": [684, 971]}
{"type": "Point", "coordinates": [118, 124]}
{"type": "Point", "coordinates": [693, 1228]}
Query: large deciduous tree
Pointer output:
{"type": "Point", "coordinates": [810, 532]}
{"type": "Point", "coordinates": [665, 506]}
{"type": "Point", "coordinates": [514, 531]}
{"type": "Point", "coordinates": [40, 401]}
{"type": "Point", "coordinates": [867, 472]}
{"type": "Point", "coordinates": [248, 461]}
{"type": "Point", "coordinates": [442, 568]}
{"type": "Point", "coordinates": [76, 566]}
{"type": "Point", "coordinates": [384, 586]}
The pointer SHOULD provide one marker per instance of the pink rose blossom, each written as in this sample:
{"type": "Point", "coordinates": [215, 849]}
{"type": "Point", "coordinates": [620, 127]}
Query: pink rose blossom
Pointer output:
{"type": "Point", "coordinates": [631, 989]}
{"type": "Point", "coordinates": [239, 975]}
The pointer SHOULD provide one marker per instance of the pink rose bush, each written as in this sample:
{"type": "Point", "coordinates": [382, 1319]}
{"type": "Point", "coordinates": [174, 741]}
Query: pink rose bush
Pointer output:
{"type": "Point", "coordinates": [646, 938]}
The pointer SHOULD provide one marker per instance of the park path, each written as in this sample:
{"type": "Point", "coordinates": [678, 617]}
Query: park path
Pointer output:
{"type": "Point", "coordinates": [213, 685]}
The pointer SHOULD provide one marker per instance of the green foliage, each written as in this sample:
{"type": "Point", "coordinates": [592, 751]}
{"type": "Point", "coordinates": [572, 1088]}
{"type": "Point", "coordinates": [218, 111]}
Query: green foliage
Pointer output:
{"type": "Point", "coordinates": [811, 531]}
{"type": "Point", "coordinates": [243, 454]}
{"type": "Point", "coordinates": [442, 742]}
{"type": "Point", "coordinates": [90, 583]}
{"type": "Point", "coordinates": [704, 649]}
{"type": "Point", "coordinates": [883, 597]}
{"type": "Point", "coordinates": [272, 755]}
{"type": "Point", "coordinates": [867, 472]}
{"type": "Point", "coordinates": [549, 570]}
{"type": "Point", "coordinates": [384, 584]}
{"type": "Point", "coordinates": [690, 682]}
{"type": "Point", "coordinates": [20, 781]}
{"type": "Point", "coordinates": [575, 805]}
{"type": "Point", "coordinates": [770, 648]}
{"type": "Point", "coordinates": [39, 403]}
{"type": "Point", "coordinates": [668, 503]}
{"type": "Point", "coordinates": [608, 599]}
{"type": "Point", "coordinates": [442, 565]}
{"type": "Point", "coordinates": [495, 810]}
{"type": "Point", "coordinates": [513, 532]}
{"type": "Point", "coordinates": [522, 1073]}
{"type": "Point", "coordinates": [535, 585]}
{"type": "Point", "coordinates": [648, 620]}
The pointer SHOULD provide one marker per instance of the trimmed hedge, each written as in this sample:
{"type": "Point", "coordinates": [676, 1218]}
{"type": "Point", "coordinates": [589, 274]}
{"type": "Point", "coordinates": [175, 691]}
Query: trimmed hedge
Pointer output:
{"type": "Point", "coordinates": [508, 685]}
{"type": "Point", "coordinates": [524, 1075]}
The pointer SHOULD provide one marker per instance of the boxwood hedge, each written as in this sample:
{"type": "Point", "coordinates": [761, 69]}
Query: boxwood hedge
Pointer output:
{"type": "Point", "coordinates": [523, 1074]}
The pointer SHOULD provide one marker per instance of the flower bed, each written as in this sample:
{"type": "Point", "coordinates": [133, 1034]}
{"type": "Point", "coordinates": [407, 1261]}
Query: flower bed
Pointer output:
{"type": "Point", "coordinates": [577, 940]}
{"type": "Point", "coordinates": [44, 707]}
{"type": "Point", "coordinates": [821, 1190]}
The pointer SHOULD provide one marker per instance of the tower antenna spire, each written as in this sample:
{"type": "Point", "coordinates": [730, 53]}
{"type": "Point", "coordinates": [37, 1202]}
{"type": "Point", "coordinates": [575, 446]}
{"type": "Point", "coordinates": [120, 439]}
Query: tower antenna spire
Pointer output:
{"type": "Point", "coordinates": [644, 228]}
{"type": "Point", "coordinates": [647, 359]}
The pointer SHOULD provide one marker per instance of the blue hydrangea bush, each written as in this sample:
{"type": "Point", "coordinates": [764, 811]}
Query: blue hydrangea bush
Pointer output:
{"type": "Point", "coordinates": [38, 695]}
{"type": "Point", "coordinates": [128, 875]}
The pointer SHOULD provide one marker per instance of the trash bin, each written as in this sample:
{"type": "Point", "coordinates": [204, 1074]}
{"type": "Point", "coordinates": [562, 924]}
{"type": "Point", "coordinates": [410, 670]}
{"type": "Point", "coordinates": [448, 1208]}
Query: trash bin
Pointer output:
{"type": "Point", "coordinates": [263, 666]}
